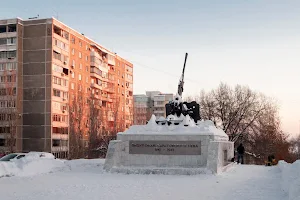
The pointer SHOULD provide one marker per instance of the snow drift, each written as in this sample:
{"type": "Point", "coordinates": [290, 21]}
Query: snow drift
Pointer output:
{"type": "Point", "coordinates": [290, 179]}
{"type": "Point", "coordinates": [31, 164]}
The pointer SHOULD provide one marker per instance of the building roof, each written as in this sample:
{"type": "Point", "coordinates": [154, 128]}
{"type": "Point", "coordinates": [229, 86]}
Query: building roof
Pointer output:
{"type": "Point", "coordinates": [54, 19]}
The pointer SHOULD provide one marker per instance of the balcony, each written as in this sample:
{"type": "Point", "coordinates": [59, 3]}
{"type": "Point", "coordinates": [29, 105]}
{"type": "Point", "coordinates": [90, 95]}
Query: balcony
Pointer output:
{"type": "Point", "coordinates": [8, 55]}
{"type": "Point", "coordinates": [58, 149]}
{"type": "Point", "coordinates": [111, 59]}
{"type": "Point", "coordinates": [59, 99]}
{"type": "Point", "coordinates": [60, 32]}
{"type": "Point", "coordinates": [96, 86]}
{"type": "Point", "coordinates": [8, 44]}
{"type": "Point", "coordinates": [8, 30]}
{"type": "Point", "coordinates": [129, 69]}
{"type": "Point", "coordinates": [106, 98]}
{"type": "Point", "coordinates": [108, 89]}
{"type": "Point", "coordinates": [63, 74]}
{"type": "Point", "coordinates": [94, 74]}
{"type": "Point", "coordinates": [60, 136]}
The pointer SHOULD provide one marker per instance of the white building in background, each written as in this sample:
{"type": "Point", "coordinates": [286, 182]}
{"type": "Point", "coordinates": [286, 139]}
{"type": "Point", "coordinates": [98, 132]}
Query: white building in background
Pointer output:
{"type": "Point", "coordinates": [152, 103]}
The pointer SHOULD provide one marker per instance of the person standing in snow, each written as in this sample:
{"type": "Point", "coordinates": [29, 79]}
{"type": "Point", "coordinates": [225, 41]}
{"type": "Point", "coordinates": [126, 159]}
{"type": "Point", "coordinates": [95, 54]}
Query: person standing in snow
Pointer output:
{"type": "Point", "coordinates": [240, 151]}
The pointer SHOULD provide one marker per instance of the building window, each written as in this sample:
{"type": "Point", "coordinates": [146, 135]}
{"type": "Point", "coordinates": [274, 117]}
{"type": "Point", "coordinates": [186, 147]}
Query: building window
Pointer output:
{"type": "Point", "coordinates": [57, 80]}
{"type": "Point", "coordinates": [3, 41]}
{"type": "Point", "coordinates": [73, 75]}
{"type": "Point", "coordinates": [2, 117]}
{"type": "Point", "coordinates": [86, 79]}
{"type": "Point", "coordinates": [11, 104]}
{"type": "Point", "coordinates": [65, 82]}
{"type": "Point", "coordinates": [65, 95]}
{"type": "Point", "coordinates": [56, 93]}
{"type": "Point", "coordinates": [79, 77]}
{"type": "Point", "coordinates": [2, 142]}
{"type": "Point", "coordinates": [57, 55]}
{"type": "Point", "coordinates": [79, 87]}
{"type": "Point", "coordinates": [5, 129]}
{"type": "Point", "coordinates": [8, 54]}
{"type": "Point", "coordinates": [56, 118]}
{"type": "Point", "coordinates": [80, 43]}
{"type": "Point", "coordinates": [80, 66]}
{"type": "Point", "coordinates": [55, 143]}
{"type": "Point", "coordinates": [11, 66]}
{"type": "Point", "coordinates": [80, 55]}
{"type": "Point", "coordinates": [3, 104]}
{"type": "Point", "coordinates": [2, 66]}
{"type": "Point", "coordinates": [11, 40]}
{"type": "Point", "coordinates": [11, 78]}
{"type": "Point", "coordinates": [87, 68]}
{"type": "Point", "coordinates": [2, 91]}
{"type": "Point", "coordinates": [73, 63]}
{"type": "Point", "coordinates": [72, 86]}
{"type": "Point", "coordinates": [2, 79]}
{"type": "Point", "coordinates": [73, 51]}
{"type": "Point", "coordinates": [73, 40]}
{"type": "Point", "coordinates": [87, 58]}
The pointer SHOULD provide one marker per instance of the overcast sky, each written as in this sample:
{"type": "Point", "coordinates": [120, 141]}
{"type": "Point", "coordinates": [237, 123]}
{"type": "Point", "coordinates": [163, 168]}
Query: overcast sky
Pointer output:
{"type": "Point", "coordinates": [254, 43]}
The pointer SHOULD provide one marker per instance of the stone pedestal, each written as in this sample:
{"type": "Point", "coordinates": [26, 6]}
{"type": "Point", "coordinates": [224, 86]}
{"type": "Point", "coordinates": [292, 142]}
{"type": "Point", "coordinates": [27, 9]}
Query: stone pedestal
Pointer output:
{"type": "Point", "coordinates": [186, 153]}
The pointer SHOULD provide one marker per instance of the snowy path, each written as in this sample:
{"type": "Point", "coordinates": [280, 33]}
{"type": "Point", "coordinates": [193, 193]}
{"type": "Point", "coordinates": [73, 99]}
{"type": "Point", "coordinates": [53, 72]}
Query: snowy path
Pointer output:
{"type": "Point", "coordinates": [241, 182]}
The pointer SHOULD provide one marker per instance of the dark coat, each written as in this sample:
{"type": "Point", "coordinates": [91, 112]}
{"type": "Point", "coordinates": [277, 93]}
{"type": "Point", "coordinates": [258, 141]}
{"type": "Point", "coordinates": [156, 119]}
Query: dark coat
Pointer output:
{"type": "Point", "coordinates": [241, 149]}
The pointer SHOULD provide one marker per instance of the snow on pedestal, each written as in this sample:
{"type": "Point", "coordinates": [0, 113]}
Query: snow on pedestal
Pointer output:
{"type": "Point", "coordinates": [177, 145]}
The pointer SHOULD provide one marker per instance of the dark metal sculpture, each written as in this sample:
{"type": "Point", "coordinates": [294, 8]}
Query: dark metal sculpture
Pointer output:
{"type": "Point", "coordinates": [177, 107]}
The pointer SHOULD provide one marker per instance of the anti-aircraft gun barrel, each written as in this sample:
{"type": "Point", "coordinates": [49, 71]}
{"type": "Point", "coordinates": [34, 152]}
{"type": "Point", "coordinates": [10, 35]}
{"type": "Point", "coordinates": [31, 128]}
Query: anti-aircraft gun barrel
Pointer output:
{"type": "Point", "coordinates": [178, 107]}
{"type": "Point", "coordinates": [181, 81]}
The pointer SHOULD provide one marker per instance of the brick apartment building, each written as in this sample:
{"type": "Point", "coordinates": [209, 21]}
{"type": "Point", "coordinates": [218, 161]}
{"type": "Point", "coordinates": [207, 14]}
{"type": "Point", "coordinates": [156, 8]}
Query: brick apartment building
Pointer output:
{"type": "Point", "coordinates": [47, 72]}
{"type": "Point", "coordinates": [152, 103]}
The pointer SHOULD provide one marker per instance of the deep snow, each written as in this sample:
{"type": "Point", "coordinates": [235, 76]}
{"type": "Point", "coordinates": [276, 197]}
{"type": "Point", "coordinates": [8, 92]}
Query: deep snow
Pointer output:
{"type": "Point", "coordinates": [290, 174]}
{"type": "Point", "coordinates": [86, 179]}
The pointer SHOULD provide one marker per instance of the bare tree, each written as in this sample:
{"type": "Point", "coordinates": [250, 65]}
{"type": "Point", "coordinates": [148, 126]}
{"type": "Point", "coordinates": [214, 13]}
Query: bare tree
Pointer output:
{"type": "Point", "coordinates": [248, 117]}
{"type": "Point", "coordinates": [233, 110]}
{"type": "Point", "coordinates": [116, 126]}
{"type": "Point", "coordinates": [95, 126]}
{"type": "Point", "coordinates": [9, 112]}
{"type": "Point", "coordinates": [78, 125]}
{"type": "Point", "coordinates": [295, 147]}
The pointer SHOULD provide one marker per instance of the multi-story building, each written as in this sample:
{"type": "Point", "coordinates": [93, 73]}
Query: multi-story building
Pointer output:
{"type": "Point", "coordinates": [159, 101]}
{"type": "Point", "coordinates": [49, 75]}
{"type": "Point", "coordinates": [141, 109]}
{"type": "Point", "coordinates": [152, 103]}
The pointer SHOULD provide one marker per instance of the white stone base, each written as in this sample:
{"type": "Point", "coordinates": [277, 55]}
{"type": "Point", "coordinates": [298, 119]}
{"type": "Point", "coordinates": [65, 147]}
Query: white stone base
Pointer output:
{"type": "Point", "coordinates": [118, 158]}
{"type": "Point", "coordinates": [164, 171]}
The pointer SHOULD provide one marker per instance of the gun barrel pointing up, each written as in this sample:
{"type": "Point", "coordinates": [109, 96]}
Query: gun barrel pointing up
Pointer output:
{"type": "Point", "coordinates": [181, 81]}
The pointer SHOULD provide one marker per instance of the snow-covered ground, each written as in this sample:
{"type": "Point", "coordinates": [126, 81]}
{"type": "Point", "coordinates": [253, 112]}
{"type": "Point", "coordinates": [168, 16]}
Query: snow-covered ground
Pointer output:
{"type": "Point", "coordinates": [85, 179]}
{"type": "Point", "coordinates": [290, 174]}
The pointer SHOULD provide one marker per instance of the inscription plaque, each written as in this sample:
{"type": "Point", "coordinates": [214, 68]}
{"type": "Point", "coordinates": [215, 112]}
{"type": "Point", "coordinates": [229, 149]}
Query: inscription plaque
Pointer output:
{"type": "Point", "coordinates": [165, 147]}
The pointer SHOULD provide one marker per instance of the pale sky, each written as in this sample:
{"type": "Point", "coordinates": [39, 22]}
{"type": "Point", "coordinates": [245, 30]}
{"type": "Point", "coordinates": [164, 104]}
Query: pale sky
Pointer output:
{"type": "Point", "coordinates": [254, 43]}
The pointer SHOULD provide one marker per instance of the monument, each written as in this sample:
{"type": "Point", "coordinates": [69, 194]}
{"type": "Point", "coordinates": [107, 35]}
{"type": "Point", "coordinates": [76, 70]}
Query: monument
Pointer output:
{"type": "Point", "coordinates": [181, 143]}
